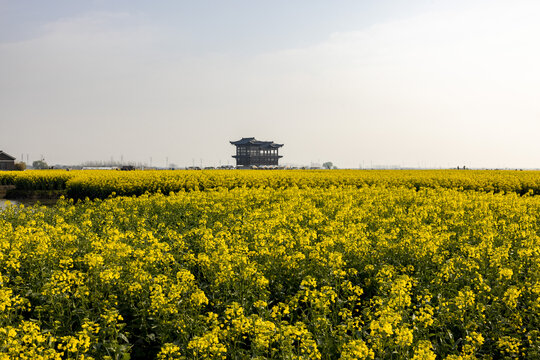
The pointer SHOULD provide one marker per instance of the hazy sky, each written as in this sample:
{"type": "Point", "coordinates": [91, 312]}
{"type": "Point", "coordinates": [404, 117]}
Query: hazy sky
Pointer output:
{"type": "Point", "coordinates": [386, 82]}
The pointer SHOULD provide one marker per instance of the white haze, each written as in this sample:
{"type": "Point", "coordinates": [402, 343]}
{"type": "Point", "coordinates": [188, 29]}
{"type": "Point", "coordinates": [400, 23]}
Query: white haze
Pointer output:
{"type": "Point", "coordinates": [440, 88]}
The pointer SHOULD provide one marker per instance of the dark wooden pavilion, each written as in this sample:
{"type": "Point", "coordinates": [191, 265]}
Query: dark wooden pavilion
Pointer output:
{"type": "Point", "coordinates": [7, 162]}
{"type": "Point", "coordinates": [252, 152]}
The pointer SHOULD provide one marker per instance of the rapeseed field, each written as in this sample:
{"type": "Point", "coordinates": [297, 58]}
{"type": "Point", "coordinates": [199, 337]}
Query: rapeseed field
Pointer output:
{"type": "Point", "coordinates": [79, 184]}
{"type": "Point", "coordinates": [273, 265]}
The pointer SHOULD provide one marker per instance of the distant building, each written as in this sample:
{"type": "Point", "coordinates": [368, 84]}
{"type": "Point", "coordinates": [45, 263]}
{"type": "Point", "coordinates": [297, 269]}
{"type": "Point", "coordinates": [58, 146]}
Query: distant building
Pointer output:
{"type": "Point", "coordinates": [251, 152]}
{"type": "Point", "coordinates": [7, 162]}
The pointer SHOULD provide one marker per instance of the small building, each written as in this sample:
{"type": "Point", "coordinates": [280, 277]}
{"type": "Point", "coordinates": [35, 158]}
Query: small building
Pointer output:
{"type": "Point", "coordinates": [7, 162]}
{"type": "Point", "coordinates": [251, 152]}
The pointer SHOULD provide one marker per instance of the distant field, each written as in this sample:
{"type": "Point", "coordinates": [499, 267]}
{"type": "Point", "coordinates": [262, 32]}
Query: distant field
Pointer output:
{"type": "Point", "coordinates": [103, 183]}
{"type": "Point", "coordinates": [273, 265]}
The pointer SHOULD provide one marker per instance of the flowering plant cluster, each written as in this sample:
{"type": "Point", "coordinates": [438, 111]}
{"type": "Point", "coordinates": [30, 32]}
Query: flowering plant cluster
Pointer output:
{"type": "Point", "coordinates": [79, 184]}
{"type": "Point", "coordinates": [318, 272]}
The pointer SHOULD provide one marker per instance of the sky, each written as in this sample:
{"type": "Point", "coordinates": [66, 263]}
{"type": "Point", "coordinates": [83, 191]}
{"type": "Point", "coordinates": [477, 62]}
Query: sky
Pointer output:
{"type": "Point", "coordinates": [410, 83]}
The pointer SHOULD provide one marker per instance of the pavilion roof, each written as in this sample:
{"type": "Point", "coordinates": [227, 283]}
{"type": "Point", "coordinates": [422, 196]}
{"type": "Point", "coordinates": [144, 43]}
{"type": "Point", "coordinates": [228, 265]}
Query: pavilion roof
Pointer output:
{"type": "Point", "coordinates": [254, 142]}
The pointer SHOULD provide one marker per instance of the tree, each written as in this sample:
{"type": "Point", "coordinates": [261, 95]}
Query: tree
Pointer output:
{"type": "Point", "coordinates": [40, 164]}
{"type": "Point", "coordinates": [20, 166]}
{"type": "Point", "coordinates": [328, 165]}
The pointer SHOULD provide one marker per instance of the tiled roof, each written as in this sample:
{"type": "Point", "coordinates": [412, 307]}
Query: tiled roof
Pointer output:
{"type": "Point", "coordinates": [253, 141]}
{"type": "Point", "coordinates": [5, 156]}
